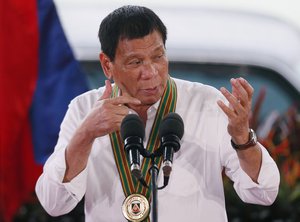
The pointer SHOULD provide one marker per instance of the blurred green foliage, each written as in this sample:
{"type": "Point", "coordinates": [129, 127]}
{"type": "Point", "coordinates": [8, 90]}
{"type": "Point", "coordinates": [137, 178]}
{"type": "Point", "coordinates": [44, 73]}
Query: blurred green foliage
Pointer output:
{"type": "Point", "coordinates": [281, 136]}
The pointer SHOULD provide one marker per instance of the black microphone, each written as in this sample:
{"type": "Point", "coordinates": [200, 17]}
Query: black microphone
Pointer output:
{"type": "Point", "coordinates": [171, 131]}
{"type": "Point", "coordinates": [133, 133]}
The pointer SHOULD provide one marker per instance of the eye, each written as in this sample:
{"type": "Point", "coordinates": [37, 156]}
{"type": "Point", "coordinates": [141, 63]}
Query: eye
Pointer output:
{"type": "Point", "coordinates": [158, 56]}
{"type": "Point", "coordinates": [135, 62]}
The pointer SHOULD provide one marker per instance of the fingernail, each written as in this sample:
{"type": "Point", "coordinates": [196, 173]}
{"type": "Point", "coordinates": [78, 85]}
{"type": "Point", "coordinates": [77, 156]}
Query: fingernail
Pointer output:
{"type": "Point", "coordinates": [243, 80]}
{"type": "Point", "coordinates": [223, 90]}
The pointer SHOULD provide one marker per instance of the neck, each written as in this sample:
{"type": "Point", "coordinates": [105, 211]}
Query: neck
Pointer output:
{"type": "Point", "coordinates": [141, 111]}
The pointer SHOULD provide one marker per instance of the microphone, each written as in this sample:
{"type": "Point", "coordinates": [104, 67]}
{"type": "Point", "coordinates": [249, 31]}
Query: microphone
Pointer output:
{"type": "Point", "coordinates": [132, 133]}
{"type": "Point", "coordinates": [171, 131]}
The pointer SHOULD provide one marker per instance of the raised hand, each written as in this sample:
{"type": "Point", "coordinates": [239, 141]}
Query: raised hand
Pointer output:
{"type": "Point", "coordinates": [238, 113]}
{"type": "Point", "coordinates": [239, 109]}
{"type": "Point", "coordinates": [107, 113]}
{"type": "Point", "coordinates": [105, 117]}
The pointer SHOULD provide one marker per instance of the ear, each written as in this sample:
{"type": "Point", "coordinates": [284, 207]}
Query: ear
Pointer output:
{"type": "Point", "coordinates": [106, 65]}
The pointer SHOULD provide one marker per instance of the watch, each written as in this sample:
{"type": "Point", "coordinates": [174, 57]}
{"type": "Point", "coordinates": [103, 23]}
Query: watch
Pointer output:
{"type": "Point", "coordinates": [251, 142]}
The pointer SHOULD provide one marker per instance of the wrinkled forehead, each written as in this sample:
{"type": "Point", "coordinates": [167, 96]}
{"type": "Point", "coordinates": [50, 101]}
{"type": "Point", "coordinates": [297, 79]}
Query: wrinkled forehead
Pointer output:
{"type": "Point", "coordinates": [151, 42]}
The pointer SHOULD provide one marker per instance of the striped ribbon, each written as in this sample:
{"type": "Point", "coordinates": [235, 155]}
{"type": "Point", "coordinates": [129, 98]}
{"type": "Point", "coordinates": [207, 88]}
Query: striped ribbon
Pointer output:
{"type": "Point", "coordinates": [129, 183]}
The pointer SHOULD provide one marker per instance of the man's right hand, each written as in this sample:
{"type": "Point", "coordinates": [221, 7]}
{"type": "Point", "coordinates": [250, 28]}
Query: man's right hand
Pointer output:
{"type": "Point", "coordinates": [105, 117]}
{"type": "Point", "coordinates": [107, 113]}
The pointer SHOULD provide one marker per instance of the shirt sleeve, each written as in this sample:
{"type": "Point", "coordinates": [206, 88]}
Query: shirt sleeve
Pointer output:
{"type": "Point", "coordinates": [57, 197]}
{"type": "Point", "coordinates": [265, 191]}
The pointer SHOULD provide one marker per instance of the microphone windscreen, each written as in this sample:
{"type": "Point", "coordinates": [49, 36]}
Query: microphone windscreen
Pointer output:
{"type": "Point", "coordinates": [132, 125]}
{"type": "Point", "coordinates": [171, 124]}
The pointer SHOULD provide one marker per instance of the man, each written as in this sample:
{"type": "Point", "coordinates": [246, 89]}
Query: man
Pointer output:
{"type": "Point", "coordinates": [87, 160]}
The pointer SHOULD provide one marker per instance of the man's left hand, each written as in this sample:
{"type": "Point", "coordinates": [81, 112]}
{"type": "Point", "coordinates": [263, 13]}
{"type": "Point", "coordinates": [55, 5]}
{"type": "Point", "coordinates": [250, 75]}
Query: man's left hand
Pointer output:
{"type": "Point", "coordinates": [239, 109]}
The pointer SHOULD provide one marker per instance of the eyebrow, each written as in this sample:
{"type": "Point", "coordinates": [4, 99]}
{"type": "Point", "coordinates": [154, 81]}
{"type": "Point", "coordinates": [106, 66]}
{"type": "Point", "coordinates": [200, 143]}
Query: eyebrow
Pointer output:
{"type": "Point", "coordinates": [158, 48]}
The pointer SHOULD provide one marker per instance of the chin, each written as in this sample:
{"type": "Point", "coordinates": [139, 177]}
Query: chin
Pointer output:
{"type": "Point", "coordinates": [149, 100]}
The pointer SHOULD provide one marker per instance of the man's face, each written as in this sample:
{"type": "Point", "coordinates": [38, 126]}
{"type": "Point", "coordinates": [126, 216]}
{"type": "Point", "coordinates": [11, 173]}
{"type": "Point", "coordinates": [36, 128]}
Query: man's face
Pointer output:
{"type": "Point", "coordinates": [140, 68]}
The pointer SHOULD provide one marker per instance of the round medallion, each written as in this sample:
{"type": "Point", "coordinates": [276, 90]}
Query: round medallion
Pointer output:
{"type": "Point", "coordinates": [135, 208]}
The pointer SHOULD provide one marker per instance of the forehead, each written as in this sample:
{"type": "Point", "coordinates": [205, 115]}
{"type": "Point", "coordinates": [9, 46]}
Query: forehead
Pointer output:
{"type": "Point", "coordinates": [148, 43]}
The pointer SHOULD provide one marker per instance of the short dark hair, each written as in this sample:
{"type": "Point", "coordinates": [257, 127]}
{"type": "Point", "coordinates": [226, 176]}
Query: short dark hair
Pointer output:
{"type": "Point", "coordinates": [128, 22]}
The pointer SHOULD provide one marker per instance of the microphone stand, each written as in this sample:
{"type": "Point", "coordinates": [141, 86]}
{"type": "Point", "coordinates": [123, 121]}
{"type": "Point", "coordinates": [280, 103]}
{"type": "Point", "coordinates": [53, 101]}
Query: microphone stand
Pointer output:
{"type": "Point", "coordinates": [154, 173]}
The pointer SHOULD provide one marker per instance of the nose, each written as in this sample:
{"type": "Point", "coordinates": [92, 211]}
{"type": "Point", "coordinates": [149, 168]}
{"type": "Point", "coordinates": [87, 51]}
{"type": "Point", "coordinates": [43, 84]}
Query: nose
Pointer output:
{"type": "Point", "coordinates": [149, 70]}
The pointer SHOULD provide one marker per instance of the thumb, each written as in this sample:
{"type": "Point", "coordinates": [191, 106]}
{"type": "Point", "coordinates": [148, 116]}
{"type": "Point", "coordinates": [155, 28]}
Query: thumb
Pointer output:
{"type": "Point", "coordinates": [107, 91]}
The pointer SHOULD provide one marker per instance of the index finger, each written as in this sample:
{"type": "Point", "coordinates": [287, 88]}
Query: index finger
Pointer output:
{"type": "Point", "coordinates": [121, 100]}
{"type": "Point", "coordinates": [249, 89]}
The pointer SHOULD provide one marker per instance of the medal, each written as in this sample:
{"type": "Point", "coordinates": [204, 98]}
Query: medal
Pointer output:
{"type": "Point", "coordinates": [135, 208]}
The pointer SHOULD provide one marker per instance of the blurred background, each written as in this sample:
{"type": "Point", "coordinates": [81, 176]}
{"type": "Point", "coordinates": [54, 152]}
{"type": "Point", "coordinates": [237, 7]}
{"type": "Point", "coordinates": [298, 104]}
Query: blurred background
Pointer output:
{"type": "Point", "coordinates": [49, 54]}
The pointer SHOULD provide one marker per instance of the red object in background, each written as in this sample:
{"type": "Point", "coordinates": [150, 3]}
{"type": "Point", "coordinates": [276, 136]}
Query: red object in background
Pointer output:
{"type": "Point", "coordinates": [18, 76]}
